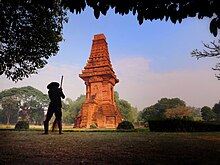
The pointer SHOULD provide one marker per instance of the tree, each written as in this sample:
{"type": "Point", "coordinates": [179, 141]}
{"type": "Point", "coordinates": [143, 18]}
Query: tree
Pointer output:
{"type": "Point", "coordinates": [128, 112]}
{"type": "Point", "coordinates": [165, 103]}
{"type": "Point", "coordinates": [31, 102]}
{"type": "Point", "coordinates": [10, 107]}
{"type": "Point", "coordinates": [157, 111]}
{"type": "Point", "coordinates": [207, 113]}
{"type": "Point", "coordinates": [179, 112]}
{"type": "Point", "coordinates": [26, 93]}
{"type": "Point", "coordinates": [30, 31]}
{"type": "Point", "coordinates": [216, 110]}
{"type": "Point", "coordinates": [149, 113]}
{"type": "Point", "coordinates": [71, 108]}
{"type": "Point", "coordinates": [35, 111]}
{"type": "Point", "coordinates": [213, 50]}
{"type": "Point", "coordinates": [196, 112]}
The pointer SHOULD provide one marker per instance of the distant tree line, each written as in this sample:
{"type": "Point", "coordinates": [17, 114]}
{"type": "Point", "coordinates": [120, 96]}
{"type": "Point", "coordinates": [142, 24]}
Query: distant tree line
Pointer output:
{"type": "Point", "coordinates": [128, 112]}
{"type": "Point", "coordinates": [29, 104]}
{"type": "Point", "coordinates": [25, 103]}
{"type": "Point", "coordinates": [211, 114]}
{"type": "Point", "coordinates": [71, 109]}
{"type": "Point", "coordinates": [176, 108]}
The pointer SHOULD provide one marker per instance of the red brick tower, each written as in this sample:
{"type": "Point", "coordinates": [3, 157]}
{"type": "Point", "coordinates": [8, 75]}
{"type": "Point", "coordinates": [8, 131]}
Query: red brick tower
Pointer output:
{"type": "Point", "coordinates": [99, 108]}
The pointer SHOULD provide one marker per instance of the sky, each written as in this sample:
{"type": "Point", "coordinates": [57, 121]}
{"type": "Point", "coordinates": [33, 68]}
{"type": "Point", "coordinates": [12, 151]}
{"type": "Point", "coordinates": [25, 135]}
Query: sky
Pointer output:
{"type": "Point", "coordinates": [151, 60]}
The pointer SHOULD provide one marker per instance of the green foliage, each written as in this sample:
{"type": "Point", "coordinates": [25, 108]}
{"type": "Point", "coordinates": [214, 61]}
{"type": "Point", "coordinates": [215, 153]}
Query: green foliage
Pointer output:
{"type": "Point", "coordinates": [166, 103]}
{"type": "Point", "coordinates": [149, 113]}
{"type": "Point", "coordinates": [207, 114]}
{"type": "Point", "coordinates": [31, 29]}
{"type": "Point", "coordinates": [180, 125]}
{"type": "Point", "coordinates": [71, 108]}
{"type": "Point", "coordinates": [22, 125]}
{"type": "Point", "coordinates": [26, 93]}
{"type": "Point", "coordinates": [196, 112]}
{"type": "Point", "coordinates": [156, 111]}
{"type": "Point", "coordinates": [116, 95]}
{"type": "Point", "coordinates": [176, 10]}
{"type": "Point", "coordinates": [92, 126]}
{"type": "Point", "coordinates": [125, 125]}
{"type": "Point", "coordinates": [30, 34]}
{"type": "Point", "coordinates": [35, 111]}
{"type": "Point", "coordinates": [10, 107]}
{"type": "Point", "coordinates": [128, 112]}
{"type": "Point", "coordinates": [216, 110]}
{"type": "Point", "coordinates": [30, 100]}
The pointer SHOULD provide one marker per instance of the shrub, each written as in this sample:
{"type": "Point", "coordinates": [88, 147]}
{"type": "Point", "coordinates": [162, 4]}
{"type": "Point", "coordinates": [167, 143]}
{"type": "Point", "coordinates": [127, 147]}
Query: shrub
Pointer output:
{"type": "Point", "coordinates": [125, 125]}
{"type": "Point", "coordinates": [181, 125]}
{"type": "Point", "coordinates": [22, 125]}
{"type": "Point", "coordinates": [93, 126]}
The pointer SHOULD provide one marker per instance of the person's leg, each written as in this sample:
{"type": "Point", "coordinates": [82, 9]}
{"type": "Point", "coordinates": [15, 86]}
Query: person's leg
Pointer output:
{"type": "Point", "coordinates": [58, 115]}
{"type": "Point", "coordinates": [46, 122]}
{"type": "Point", "coordinates": [54, 124]}
{"type": "Point", "coordinates": [59, 122]}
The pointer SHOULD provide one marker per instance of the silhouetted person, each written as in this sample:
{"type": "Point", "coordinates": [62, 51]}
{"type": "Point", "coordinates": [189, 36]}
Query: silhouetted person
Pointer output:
{"type": "Point", "coordinates": [55, 94]}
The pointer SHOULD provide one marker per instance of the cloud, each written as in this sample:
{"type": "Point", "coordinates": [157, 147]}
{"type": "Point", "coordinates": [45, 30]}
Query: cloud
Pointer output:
{"type": "Point", "coordinates": [143, 87]}
{"type": "Point", "coordinates": [73, 86]}
{"type": "Point", "coordinates": [138, 84]}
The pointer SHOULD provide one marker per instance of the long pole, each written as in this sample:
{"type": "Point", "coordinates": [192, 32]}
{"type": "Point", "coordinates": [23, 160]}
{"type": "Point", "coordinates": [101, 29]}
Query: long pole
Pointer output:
{"type": "Point", "coordinates": [61, 83]}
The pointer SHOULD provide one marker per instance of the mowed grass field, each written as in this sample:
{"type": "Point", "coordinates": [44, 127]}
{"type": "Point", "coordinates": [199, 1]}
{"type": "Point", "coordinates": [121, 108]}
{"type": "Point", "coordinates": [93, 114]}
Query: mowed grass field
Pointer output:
{"type": "Point", "coordinates": [107, 147]}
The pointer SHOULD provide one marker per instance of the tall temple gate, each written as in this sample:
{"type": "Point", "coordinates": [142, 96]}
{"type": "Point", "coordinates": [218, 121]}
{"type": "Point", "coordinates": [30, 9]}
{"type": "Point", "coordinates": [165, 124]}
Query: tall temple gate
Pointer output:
{"type": "Point", "coordinates": [99, 108]}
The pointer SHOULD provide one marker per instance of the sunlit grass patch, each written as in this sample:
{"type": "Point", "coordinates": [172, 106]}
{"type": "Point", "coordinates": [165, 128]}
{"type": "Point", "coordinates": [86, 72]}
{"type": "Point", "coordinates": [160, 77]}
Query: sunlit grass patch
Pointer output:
{"type": "Point", "coordinates": [69, 128]}
{"type": "Point", "coordinates": [7, 126]}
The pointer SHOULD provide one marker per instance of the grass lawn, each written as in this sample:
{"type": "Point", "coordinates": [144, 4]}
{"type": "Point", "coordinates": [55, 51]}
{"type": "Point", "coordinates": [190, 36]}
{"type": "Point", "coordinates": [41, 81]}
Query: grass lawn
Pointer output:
{"type": "Point", "coordinates": [108, 147]}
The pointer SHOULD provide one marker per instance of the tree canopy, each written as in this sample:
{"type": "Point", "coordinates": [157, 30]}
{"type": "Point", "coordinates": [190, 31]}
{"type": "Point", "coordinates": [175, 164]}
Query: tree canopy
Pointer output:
{"type": "Point", "coordinates": [128, 112]}
{"type": "Point", "coordinates": [216, 110]}
{"type": "Point", "coordinates": [25, 93]}
{"type": "Point", "coordinates": [30, 31]}
{"type": "Point", "coordinates": [175, 10]}
{"type": "Point", "coordinates": [207, 113]}
{"type": "Point", "coordinates": [71, 108]}
{"type": "Point", "coordinates": [179, 112]}
{"type": "Point", "coordinates": [10, 107]}
{"type": "Point", "coordinates": [25, 102]}
{"type": "Point", "coordinates": [158, 110]}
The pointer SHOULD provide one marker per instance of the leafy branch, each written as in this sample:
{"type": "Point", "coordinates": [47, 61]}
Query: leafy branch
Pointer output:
{"type": "Point", "coordinates": [212, 50]}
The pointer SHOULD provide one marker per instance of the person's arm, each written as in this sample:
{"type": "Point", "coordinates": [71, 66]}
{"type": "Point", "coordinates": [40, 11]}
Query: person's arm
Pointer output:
{"type": "Point", "coordinates": [62, 94]}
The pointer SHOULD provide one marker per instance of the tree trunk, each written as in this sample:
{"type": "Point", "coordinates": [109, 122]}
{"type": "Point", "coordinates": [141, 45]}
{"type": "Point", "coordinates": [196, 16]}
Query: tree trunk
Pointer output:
{"type": "Point", "coordinates": [8, 119]}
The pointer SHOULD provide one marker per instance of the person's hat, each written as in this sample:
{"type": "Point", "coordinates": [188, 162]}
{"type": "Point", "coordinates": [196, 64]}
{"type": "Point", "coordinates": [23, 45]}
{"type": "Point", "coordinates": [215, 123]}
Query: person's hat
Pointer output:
{"type": "Point", "coordinates": [53, 85]}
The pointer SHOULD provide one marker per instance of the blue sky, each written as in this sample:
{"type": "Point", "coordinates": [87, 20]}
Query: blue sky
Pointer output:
{"type": "Point", "coordinates": [151, 60]}
{"type": "Point", "coordinates": [159, 41]}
